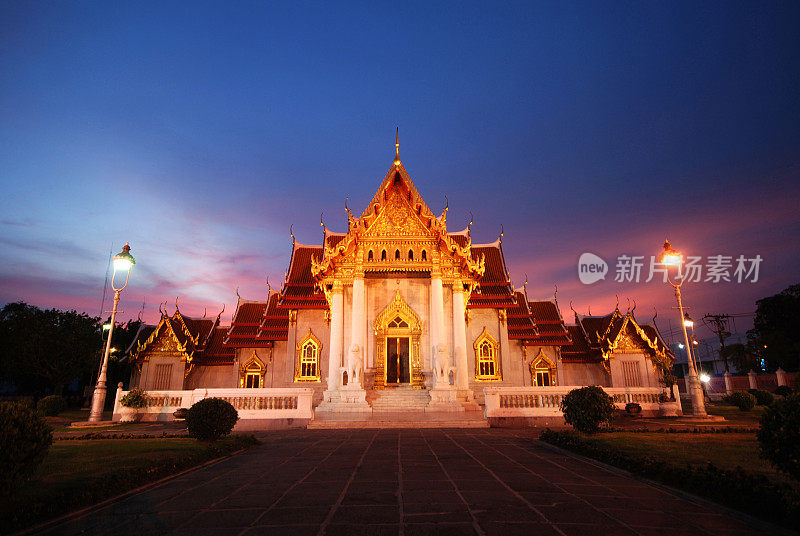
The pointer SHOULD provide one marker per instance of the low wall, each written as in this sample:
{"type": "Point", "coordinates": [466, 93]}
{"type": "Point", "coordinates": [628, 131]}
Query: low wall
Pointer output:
{"type": "Point", "coordinates": [545, 402]}
{"type": "Point", "coordinates": [260, 404]}
{"type": "Point", "coordinates": [717, 385]}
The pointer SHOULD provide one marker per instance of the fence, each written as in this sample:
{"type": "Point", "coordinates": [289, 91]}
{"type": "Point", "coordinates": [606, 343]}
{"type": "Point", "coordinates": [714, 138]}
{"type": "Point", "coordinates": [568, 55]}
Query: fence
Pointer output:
{"type": "Point", "coordinates": [546, 401]}
{"type": "Point", "coordinates": [720, 385]}
{"type": "Point", "coordinates": [274, 403]}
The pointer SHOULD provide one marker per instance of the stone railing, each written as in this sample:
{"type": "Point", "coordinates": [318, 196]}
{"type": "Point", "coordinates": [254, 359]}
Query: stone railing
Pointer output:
{"type": "Point", "coordinates": [721, 385]}
{"type": "Point", "coordinates": [546, 401]}
{"type": "Point", "coordinates": [274, 403]}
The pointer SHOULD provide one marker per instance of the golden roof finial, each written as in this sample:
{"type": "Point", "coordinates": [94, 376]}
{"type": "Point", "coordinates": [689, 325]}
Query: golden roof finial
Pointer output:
{"type": "Point", "coordinates": [397, 147]}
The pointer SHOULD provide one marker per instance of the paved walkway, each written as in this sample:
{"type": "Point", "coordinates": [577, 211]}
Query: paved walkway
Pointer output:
{"type": "Point", "coordinates": [406, 482]}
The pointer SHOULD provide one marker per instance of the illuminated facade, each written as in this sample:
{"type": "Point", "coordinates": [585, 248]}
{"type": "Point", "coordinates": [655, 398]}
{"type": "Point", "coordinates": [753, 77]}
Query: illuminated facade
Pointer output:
{"type": "Point", "coordinates": [398, 302]}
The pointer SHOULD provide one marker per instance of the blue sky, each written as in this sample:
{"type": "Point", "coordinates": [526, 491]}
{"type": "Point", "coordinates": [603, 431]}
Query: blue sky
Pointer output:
{"type": "Point", "coordinates": [200, 131]}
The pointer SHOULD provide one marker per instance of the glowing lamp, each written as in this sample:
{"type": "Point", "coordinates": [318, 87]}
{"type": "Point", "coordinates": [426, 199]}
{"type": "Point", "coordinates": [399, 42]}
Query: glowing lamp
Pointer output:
{"type": "Point", "coordinates": [680, 345]}
{"type": "Point", "coordinates": [687, 320]}
{"type": "Point", "coordinates": [106, 327]}
{"type": "Point", "coordinates": [705, 378]}
{"type": "Point", "coordinates": [670, 257]}
{"type": "Point", "coordinates": [695, 343]}
{"type": "Point", "coordinates": [123, 261]}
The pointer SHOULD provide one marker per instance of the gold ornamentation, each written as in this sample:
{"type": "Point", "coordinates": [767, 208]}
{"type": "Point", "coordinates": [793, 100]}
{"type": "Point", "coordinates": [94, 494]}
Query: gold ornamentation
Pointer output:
{"type": "Point", "coordinates": [382, 330]}
{"type": "Point", "coordinates": [307, 364]}
{"type": "Point", "coordinates": [255, 368]}
{"type": "Point", "coordinates": [543, 370]}
{"type": "Point", "coordinates": [487, 362]}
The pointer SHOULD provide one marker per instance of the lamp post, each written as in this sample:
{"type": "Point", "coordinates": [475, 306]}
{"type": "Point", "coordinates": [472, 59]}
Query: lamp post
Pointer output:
{"type": "Point", "coordinates": [670, 257]}
{"type": "Point", "coordinates": [123, 261]}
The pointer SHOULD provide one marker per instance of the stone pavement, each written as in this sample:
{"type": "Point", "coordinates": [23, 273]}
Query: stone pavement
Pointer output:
{"type": "Point", "coordinates": [405, 482]}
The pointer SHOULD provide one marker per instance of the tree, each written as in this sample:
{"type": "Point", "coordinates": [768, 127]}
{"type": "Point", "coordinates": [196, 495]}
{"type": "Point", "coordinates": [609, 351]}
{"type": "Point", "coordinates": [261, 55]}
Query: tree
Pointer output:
{"type": "Point", "coordinates": [775, 337]}
{"type": "Point", "coordinates": [740, 357]}
{"type": "Point", "coordinates": [52, 345]}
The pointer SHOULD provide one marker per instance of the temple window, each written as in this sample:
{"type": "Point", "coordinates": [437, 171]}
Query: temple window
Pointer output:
{"type": "Point", "coordinates": [487, 367]}
{"type": "Point", "coordinates": [411, 254]}
{"type": "Point", "coordinates": [543, 372]}
{"type": "Point", "coordinates": [383, 255]}
{"type": "Point", "coordinates": [370, 256]}
{"type": "Point", "coordinates": [308, 351]}
{"type": "Point", "coordinates": [424, 255]}
{"type": "Point", "coordinates": [251, 375]}
{"type": "Point", "coordinates": [397, 254]}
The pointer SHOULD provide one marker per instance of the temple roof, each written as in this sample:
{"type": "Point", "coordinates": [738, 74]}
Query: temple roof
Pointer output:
{"type": "Point", "coordinates": [199, 341]}
{"type": "Point", "coordinates": [257, 324]}
{"type": "Point", "coordinates": [494, 288]}
{"type": "Point", "coordinates": [595, 338]}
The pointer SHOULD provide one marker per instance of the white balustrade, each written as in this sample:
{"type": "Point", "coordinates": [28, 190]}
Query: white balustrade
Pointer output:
{"type": "Point", "coordinates": [546, 401]}
{"type": "Point", "coordinates": [270, 403]}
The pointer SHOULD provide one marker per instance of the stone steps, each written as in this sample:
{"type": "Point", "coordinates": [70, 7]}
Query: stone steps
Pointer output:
{"type": "Point", "coordinates": [398, 399]}
{"type": "Point", "coordinates": [402, 419]}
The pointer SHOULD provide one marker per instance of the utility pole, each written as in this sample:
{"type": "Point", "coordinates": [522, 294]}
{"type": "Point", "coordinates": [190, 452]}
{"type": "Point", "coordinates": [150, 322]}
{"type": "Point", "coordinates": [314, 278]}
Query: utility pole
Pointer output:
{"type": "Point", "coordinates": [719, 325]}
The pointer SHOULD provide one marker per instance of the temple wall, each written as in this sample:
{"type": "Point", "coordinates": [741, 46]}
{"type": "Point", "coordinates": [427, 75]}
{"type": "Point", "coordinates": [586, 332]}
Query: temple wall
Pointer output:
{"type": "Point", "coordinates": [148, 377]}
{"type": "Point", "coordinates": [584, 374]}
{"type": "Point", "coordinates": [647, 372]}
{"type": "Point", "coordinates": [480, 319]}
{"type": "Point", "coordinates": [213, 377]}
{"type": "Point", "coordinates": [313, 320]}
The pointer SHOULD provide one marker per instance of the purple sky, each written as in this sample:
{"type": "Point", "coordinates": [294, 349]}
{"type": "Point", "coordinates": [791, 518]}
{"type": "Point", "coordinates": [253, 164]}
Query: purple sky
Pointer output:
{"type": "Point", "coordinates": [199, 132]}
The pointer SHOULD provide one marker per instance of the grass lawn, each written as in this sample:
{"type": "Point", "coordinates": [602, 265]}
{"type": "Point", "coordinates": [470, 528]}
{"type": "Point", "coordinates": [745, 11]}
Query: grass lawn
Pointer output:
{"type": "Point", "coordinates": [79, 473]}
{"type": "Point", "coordinates": [726, 451]}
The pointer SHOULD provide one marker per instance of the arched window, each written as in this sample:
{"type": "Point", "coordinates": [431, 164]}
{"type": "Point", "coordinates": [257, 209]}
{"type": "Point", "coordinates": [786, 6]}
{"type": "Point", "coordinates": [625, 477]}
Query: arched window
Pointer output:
{"type": "Point", "coordinates": [397, 254]}
{"type": "Point", "coordinates": [252, 377]}
{"type": "Point", "coordinates": [308, 351]}
{"type": "Point", "coordinates": [251, 373]}
{"type": "Point", "coordinates": [383, 255]}
{"type": "Point", "coordinates": [487, 367]}
{"type": "Point", "coordinates": [424, 255]}
{"type": "Point", "coordinates": [370, 256]}
{"type": "Point", "coordinates": [543, 372]}
{"type": "Point", "coordinates": [411, 254]}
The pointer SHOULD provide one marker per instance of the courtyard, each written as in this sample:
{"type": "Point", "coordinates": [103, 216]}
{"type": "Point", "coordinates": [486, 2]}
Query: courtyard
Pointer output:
{"type": "Point", "coordinates": [410, 481]}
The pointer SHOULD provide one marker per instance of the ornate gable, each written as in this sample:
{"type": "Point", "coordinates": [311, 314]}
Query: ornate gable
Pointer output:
{"type": "Point", "coordinates": [397, 232]}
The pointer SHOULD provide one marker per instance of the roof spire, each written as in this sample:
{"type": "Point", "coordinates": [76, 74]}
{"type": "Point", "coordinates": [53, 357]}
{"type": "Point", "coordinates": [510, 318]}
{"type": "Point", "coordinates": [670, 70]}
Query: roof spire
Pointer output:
{"type": "Point", "coordinates": [397, 147]}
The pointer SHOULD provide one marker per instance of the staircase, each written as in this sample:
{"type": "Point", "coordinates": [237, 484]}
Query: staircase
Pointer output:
{"type": "Point", "coordinates": [398, 399]}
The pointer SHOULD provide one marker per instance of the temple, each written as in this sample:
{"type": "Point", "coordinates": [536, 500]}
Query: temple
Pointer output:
{"type": "Point", "coordinates": [398, 312]}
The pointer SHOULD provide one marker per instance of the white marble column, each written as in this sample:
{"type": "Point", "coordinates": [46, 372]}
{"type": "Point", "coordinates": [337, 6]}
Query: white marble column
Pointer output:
{"type": "Point", "coordinates": [337, 333]}
{"type": "Point", "coordinates": [357, 323]}
{"type": "Point", "coordinates": [437, 315]}
{"type": "Point", "coordinates": [460, 336]}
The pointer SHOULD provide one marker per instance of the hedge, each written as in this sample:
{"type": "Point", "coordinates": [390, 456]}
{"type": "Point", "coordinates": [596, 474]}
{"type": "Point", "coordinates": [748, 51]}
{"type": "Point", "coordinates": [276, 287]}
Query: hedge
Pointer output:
{"type": "Point", "coordinates": [755, 494]}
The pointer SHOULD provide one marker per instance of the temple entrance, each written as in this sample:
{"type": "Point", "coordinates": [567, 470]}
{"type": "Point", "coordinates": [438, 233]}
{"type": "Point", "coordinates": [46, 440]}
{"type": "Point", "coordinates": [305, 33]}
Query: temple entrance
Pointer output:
{"type": "Point", "coordinates": [397, 343]}
{"type": "Point", "coordinates": [398, 369]}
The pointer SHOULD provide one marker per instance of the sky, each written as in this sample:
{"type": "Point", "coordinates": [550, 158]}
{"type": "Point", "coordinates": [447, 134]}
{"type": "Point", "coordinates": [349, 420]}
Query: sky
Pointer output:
{"type": "Point", "coordinates": [199, 132]}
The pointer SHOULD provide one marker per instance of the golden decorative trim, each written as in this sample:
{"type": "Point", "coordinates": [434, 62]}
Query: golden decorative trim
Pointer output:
{"type": "Point", "coordinates": [542, 362]}
{"type": "Point", "coordinates": [398, 308]}
{"type": "Point", "coordinates": [485, 337]}
{"type": "Point", "coordinates": [298, 376]}
{"type": "Point", "coordinates": [244, 369]}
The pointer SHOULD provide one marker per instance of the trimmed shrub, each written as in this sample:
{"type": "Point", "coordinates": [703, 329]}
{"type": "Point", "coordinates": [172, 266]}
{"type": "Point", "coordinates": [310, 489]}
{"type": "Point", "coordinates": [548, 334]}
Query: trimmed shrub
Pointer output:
{"type": "Point", "coordinates": [52, 405]}
{"type": "Point", "coordinates": [763, 398]}
{"type": "Point", "coordinates": [784, 390]}
{"type": "Point", "coordinates": [24, 441]}
{"type": "Point", "coordinates": [211, 419]}
{"type": "Point", "coordinates": [741, 399]}
{"type": "Point", "coordinates": [779, 435]}
{"type": "Point", "coordinates": [180, 413]}
{"type": "Point", "coordinates": [135, 398]}
{"type": "Point", "coordinates": [632, 408]}
{"type": "Point", "coordinates": [587, 408]}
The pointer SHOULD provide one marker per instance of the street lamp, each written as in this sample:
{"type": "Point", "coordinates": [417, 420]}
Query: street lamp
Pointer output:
{"type": "Point", "coordinates": [671, 258]}
{"type": "Point", "coordinates": [123, 261]}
